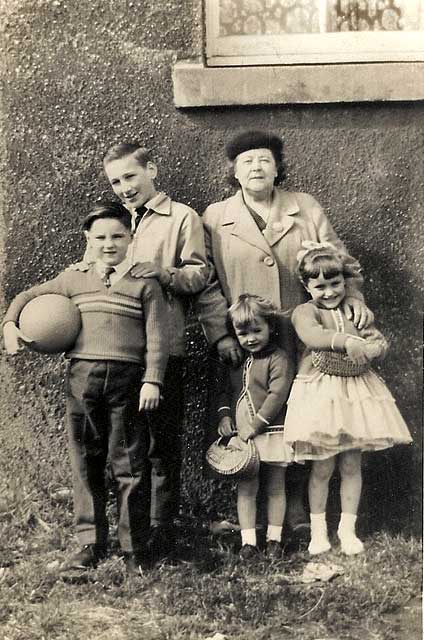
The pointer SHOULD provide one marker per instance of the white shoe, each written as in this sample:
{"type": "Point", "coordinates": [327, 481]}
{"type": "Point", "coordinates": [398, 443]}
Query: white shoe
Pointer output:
{"type": "Point", "coordinates": [319, 544]}
{"type": "Point", "coordinates": [351, 545]}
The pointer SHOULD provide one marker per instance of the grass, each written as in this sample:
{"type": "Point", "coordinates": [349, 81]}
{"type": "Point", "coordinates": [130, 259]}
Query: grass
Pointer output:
{"type": "Point", "coordinates": [203, 591]}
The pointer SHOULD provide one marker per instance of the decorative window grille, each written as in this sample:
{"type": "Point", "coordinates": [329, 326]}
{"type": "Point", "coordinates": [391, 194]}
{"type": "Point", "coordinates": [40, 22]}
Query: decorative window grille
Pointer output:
{"type": "Point", "coordinates": [256, 32]}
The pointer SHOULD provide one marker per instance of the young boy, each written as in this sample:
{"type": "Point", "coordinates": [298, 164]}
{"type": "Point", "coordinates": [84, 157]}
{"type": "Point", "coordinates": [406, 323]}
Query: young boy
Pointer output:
{"type": "Point", "coordinates": [123, 344]}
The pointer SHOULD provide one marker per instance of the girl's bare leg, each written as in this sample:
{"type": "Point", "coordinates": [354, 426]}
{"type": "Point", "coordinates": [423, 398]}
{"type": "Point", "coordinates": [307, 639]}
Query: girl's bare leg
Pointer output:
{"type": "Point", "coordinates": [276, 509]}
{"type": "Point", "coordinates": [276, 494]}
{"type": "Point", "coordinates": [321, 472]}
{"type": "Point", "coordinates": [246, 508]}
{"type": "Point", "coordinates": [350, 494]}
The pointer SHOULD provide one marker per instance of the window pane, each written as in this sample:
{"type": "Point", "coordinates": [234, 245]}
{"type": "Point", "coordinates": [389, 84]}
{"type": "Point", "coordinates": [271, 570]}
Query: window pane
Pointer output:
{"type": "Point", "coordinates": [374, 15]}
{"type": "Point", "coordinates": [268, 17]}
{"type": "Point", "coordinates": [273, 17]}
{"type": "Point", "coordinates": [245, 32]}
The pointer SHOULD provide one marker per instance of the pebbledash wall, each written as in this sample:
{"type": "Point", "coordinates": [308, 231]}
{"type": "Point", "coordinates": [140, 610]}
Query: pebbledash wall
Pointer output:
{"type": "Point", "coordinates": [80, 76]}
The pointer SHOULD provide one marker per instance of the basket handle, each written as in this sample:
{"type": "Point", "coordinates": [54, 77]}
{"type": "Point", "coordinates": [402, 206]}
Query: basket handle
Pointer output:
{"type": "Point", "coordinates": [226, 439]}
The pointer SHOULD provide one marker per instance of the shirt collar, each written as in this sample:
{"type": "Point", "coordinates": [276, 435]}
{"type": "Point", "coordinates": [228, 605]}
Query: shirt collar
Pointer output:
{"type": "Point", "coordinates": [120, 269]}
{"type": "Point", "coordinates": [160, 203]}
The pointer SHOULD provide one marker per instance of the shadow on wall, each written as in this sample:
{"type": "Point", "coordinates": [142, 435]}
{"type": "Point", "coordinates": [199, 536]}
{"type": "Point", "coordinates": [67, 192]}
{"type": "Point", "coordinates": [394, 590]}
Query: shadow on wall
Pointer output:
{"type": "Point", "coordinates": [392, 479]}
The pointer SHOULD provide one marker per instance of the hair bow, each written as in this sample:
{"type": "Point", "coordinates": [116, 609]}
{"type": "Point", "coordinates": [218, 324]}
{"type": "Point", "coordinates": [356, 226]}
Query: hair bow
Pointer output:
{"type": "Point", "coordinates": [310, 245]}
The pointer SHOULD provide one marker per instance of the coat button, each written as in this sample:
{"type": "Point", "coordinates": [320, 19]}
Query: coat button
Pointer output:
{"type": "Point", "coordinates": [269, 261]}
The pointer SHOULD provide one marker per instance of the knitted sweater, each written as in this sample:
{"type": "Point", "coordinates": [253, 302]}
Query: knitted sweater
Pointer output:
{"type": "Point", "coordinates": [320, 330]}
{"type": "Point", "coordinates": [257, 391]}
{"type": "Point", "coordinates": [127, 322]}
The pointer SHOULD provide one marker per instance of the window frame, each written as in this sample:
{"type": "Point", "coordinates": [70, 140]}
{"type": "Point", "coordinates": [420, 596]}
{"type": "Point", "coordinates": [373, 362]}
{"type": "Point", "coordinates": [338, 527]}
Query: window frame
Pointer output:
{"type": "Point", "coordinates": [308, 48]}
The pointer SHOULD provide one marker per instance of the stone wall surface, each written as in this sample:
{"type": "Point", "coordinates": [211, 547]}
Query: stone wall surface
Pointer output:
{"type": "Point", "coordinates": [80, 76]}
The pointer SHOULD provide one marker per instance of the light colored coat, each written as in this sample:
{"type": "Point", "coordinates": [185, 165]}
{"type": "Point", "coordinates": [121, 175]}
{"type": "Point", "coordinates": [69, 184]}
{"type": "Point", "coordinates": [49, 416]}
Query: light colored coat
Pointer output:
{"type": "Point", "coordinates": [244, 260]}
{"type": "Point", "coordinates": [170, 234]}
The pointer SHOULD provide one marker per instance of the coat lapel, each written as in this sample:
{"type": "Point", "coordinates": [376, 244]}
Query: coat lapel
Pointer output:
{"type": "Point", "coordinates": [284, 207]}
{"type": "Point", "coordinates": [243, 225]}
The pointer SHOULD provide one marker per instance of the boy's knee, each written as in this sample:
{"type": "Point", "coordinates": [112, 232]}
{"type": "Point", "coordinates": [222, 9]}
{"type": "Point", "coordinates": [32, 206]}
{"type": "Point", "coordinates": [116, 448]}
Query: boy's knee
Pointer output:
{"type": "Point", "coordinates": [297, 474]}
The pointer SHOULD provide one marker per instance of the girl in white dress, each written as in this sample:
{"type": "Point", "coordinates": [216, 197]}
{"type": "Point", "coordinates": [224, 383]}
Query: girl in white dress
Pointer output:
{"type": "Point", "coordinates": [338, 406]}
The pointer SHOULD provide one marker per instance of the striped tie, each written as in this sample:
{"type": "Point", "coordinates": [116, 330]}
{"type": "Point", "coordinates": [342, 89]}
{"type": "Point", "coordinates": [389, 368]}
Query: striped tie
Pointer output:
{"type": "Point", "coordinates": [106, 276]}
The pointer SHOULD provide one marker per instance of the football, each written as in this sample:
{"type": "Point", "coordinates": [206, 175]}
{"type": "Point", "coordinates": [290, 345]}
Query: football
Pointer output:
{"type": "Point", "coordinates": [52, 322]}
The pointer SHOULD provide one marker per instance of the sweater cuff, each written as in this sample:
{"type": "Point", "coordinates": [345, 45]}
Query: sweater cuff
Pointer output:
{"type": "Point", "coordinates": [258, 424]}
{"type": "Point", "coordinates": [154, 376]}
{"type": "Point", "coordinates": [214, 334]}
{"type": "Point", "coordinates": [224, 412]}
{"type": "Point", "coordinates": [338, 341]}
{"type": "Point", "coordinates": [262, 419]}
{"type": "Point", "coordinates": [351, 291]}
{"type": "Point", "coordinates": [170, 287]}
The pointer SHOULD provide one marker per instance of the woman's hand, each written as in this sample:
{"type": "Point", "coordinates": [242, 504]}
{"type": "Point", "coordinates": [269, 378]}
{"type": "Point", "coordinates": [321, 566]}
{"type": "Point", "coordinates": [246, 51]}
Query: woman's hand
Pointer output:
{"type": "Point", "coordinates": [357, 311]}
{"type": "Point", "coordinates": [149, 396]}
{"type": "Point", "coordinates": [14, 339]}
{"type": "Point", "coordinates": [229, 351]}
{"type": "Point", "coordinates": [356, 350]}
{"type": "Point", "coordinates": [226, 427]}
{"type": "Point", "coordinates": [151, 270]}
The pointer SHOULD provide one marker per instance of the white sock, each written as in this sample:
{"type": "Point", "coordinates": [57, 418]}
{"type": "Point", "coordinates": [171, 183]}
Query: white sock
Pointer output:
{"type": "Point", "coordinates": [350, 543]}
{"type": "Point", "coordinates": [319, 536]}
{"type": "Point", "coordinates": [347, 523]}
{"type": "Point", "coordinates": [273, 533]}
{"type": "Point", "coordinates": [248, 536]}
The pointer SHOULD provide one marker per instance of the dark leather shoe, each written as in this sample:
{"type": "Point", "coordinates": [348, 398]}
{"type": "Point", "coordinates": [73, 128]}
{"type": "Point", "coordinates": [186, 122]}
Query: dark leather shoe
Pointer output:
{"type": "Point", "coordinates": [161, 542]}
{"type": "Point", "coordinates": [88, 557]}
{"type": "Point", "coordinates": [274, 550]}
{"type": "Point", "coordinates": [248, 552]}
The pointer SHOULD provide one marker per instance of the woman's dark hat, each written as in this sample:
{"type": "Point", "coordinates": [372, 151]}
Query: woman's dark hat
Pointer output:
{"type": "Point", "coordinates": [255, 140]}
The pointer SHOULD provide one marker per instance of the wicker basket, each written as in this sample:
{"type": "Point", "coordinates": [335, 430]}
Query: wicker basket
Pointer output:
{"type": "Point", "coordinates": [337, 364]}
{"type": "Point", "coordinates": [232, 457]}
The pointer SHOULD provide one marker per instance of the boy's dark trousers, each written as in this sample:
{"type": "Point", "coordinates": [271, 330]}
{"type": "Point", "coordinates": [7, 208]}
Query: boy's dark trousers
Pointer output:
{"type": "Point", "coordinates": [165, 426]}
{"type": "Point", "coordinates": [104, 423]}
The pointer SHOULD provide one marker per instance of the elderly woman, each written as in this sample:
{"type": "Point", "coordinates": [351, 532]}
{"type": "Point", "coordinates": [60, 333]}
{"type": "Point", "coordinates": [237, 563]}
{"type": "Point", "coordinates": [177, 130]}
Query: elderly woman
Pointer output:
{"type": "Point", "coordinates": [252, 239]}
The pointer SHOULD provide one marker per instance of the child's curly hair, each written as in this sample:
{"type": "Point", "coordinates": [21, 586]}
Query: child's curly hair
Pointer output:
{"type": "Point", "coordinates": [248, 308]}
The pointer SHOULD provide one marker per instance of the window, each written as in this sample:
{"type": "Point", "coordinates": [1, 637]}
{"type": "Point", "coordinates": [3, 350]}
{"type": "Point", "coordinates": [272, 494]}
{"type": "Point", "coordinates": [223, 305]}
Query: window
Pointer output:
{"type": "Point", "coordinates": [284, 32]}
{"type": "Point", "coordinates": [262, 52]}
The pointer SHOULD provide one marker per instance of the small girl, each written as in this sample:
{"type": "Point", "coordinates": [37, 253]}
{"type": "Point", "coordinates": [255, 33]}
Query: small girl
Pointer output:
{"type": "Point", "coordinates": [338, 406]}
{"type": "Point", "coordinates": [259, 389]}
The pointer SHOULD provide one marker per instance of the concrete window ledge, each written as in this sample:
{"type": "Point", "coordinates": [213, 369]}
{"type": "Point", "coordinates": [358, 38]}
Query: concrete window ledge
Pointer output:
{"type": "Point", "coordinates": [196, 85]}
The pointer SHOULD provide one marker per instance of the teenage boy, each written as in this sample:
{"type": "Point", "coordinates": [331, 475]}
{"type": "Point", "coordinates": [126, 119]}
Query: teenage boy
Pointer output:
{"type": "Point", "coordinates": [168, 246]}
{"type": "Point", "coordinates": [117, 369]}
